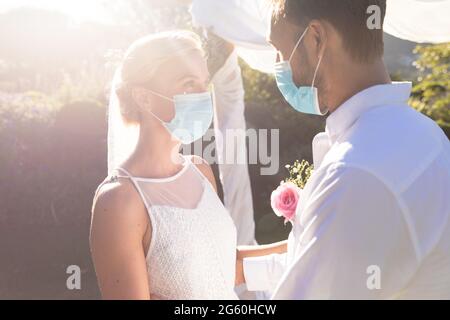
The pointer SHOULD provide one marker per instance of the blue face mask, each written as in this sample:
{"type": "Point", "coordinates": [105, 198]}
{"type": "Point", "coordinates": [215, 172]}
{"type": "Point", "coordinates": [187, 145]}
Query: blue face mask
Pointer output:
{"type": "Point", "coordinates": [193, 116]}
{"type": "Point", "coordinates": [303, 99]}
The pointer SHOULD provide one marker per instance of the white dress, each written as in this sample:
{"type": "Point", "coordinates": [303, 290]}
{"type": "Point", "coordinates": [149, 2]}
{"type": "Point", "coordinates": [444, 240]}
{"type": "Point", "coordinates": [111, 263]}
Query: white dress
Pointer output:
{"type": "Point", "coordinates": [192, 252]}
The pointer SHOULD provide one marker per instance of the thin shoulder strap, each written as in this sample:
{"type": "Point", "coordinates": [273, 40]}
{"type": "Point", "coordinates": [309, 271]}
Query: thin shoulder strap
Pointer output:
{"type": "Point", "coordinates": [194, 165]}
{"type": "Point", "coordinates": [147, 206]}
{"type": "Point", "coordinates": [204, 179]}
{"type": "Point", "coordinates": [111, 178]}
{"type": "Point", "coordinates": [114, 177]}
{"type": "Point", "coordinates": [127, 174]}
{"type": "Point", "coordinates": [135, 183]}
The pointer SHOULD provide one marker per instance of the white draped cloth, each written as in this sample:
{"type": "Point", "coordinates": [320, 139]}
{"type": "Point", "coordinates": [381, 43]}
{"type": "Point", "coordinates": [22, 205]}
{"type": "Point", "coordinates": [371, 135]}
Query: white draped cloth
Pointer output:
{"type": "Point", "coordinates": [245, 23]}
{"type": "Point", "coordinates": [419, 20]}
{"type": "Point", "coordinates": [229, 115]}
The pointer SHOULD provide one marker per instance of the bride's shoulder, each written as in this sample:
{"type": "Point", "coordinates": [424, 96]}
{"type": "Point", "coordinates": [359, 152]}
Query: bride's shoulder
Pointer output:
{"type": "Point", "coordinates": [117, 199]}
{"type": "Point", "coordinates": [205, 168]}
{"type": "Point", "coordinates": [118, 224]}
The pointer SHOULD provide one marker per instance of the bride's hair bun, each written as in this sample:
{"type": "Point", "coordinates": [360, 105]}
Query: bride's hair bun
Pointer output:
{"type": "Point", "coordinates": [128, 107]}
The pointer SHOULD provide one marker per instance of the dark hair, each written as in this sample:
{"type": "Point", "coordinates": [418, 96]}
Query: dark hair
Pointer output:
{"type": "Point", "coordinates": [349, 17]}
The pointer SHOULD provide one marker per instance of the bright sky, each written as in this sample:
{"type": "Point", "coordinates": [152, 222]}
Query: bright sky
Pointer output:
{"type": "Point", "coordinates": [79, 10]}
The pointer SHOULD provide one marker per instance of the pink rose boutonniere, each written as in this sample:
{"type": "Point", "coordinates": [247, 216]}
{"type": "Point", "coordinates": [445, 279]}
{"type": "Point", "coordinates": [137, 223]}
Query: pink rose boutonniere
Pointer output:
{"type": "Point", "coordinates": [284, 201]}
{"type": "Point", "coordinates": [285, 198]}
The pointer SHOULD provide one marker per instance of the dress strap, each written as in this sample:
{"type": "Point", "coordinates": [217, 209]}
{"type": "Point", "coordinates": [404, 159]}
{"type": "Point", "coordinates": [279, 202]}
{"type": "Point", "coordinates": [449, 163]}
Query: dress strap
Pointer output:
{"type": "Point", "coordinates": [127, 174]}
{"type": "Point", "coordinates": [112, 178]}
{"type": "Point", "coordinates": [133, 180]}
{"type": "Point", "coordinates": [144, 200]}
{"type": "Point", "coordinates": [205, 180]}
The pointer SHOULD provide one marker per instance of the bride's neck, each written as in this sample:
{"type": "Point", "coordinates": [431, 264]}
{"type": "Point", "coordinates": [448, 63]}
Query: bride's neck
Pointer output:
{"type": "Point", "coordinates": [155, 154]}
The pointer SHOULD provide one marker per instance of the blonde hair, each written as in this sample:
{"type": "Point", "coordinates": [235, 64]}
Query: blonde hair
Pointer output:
{"type": "Point", "coordinates": [142, 60]}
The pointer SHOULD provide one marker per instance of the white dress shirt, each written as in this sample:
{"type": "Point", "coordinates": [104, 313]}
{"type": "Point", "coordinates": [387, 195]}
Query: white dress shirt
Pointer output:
{"type": "Point", "coordinates": [373, 220]}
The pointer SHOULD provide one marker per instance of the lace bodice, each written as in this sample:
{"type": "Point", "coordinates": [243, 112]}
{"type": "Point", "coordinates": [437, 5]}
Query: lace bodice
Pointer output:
{"type": "Point", "coordinates": [193, 246]}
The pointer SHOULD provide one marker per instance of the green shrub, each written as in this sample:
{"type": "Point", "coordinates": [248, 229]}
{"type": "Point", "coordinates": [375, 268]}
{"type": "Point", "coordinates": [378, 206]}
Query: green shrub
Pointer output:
{"type": "Point", "coordinates": [52, 157]}
{"type": "Point", "coordinates": [431, 93]}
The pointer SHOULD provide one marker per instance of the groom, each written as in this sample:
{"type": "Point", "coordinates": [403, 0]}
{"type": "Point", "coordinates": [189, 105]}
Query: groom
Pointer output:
{"type": "Point", "coordinates": [373, 220]}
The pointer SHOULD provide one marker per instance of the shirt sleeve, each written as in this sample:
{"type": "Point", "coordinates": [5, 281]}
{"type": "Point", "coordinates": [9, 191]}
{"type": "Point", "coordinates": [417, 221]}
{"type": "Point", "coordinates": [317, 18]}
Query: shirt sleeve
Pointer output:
{"type": "Point", "coordinates": [356, 244]}
{"type": "Point", "coordinates": [263, 273]}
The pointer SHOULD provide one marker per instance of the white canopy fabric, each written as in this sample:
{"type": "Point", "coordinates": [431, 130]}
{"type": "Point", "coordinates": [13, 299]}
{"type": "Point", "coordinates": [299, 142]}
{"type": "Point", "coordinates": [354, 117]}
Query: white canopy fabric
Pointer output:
{"type": "Point", "coordinates": [242, 22]}
{"type": "Point", "coordinates": [245, 24]}
{"type": "Point", "coordinates": [419, 20]}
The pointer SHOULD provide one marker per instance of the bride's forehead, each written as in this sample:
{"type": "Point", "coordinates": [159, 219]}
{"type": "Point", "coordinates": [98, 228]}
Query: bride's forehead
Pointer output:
{"type": "Point", "coordinates": [193, 64]}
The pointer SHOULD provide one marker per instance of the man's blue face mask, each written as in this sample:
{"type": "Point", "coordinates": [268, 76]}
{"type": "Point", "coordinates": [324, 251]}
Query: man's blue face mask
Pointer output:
{"type": "Point", "coordinates": [303, 99]}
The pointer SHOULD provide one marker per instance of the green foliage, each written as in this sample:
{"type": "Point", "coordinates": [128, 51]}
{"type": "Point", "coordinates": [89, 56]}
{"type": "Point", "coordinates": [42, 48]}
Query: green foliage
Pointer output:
{"type": "Point", "coordinates": [260, 88]}
{"type": "Point", "coordinates": [431, 94]}
{"type": "Point", "coordinates": [22, 109]}
{"type": "Point", "coordinates": [52, 156]}
{"type": "Point", "coordinates": [265, 108]}
{"type": "Point", "coordinates": [299, 173]}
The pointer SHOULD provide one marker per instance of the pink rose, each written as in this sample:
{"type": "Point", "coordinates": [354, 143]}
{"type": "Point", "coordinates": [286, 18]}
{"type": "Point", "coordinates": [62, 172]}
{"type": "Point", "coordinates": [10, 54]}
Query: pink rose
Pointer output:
{"type": "Point", "coordinates": [284, 200]}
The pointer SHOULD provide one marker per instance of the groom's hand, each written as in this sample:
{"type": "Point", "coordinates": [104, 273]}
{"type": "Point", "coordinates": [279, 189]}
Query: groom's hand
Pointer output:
{"type": "Point", "coordinates": [255, 251]}
{"type": "Point", "coordinates": [218, 50]}
{"type": "Point", "coordinates": [240, 279]}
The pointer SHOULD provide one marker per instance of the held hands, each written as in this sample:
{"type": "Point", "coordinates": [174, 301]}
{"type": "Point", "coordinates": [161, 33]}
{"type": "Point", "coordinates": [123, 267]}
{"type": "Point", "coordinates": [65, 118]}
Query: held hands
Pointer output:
{"type": "Point", "coordinates": [255, 251]}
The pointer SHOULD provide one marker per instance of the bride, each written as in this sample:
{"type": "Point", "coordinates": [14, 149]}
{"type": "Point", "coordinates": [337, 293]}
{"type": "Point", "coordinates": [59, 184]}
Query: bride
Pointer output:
{"type": "Point", "coordinates": [158, 229]}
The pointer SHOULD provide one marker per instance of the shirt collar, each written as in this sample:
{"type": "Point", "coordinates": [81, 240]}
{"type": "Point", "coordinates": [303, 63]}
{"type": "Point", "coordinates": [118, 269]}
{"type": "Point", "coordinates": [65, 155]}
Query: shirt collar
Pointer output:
{"type": "Point", "coordinates": [349, 112]}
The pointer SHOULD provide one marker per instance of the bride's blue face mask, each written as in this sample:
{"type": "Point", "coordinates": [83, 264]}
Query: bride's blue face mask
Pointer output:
{"type": "Point", "coordinates": [193, 115]}
{"type": "Point", "coordinates": [303, 99]}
